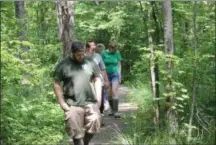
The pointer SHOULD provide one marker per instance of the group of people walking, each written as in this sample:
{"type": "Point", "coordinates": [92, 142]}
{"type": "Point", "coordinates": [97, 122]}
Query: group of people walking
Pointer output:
{"type": "Point", "coordinates": [84, 83]}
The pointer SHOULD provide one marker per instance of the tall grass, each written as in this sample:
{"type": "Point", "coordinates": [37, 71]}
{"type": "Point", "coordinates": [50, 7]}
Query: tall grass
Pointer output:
{"type": "Point", "coordinates": [141, 129]}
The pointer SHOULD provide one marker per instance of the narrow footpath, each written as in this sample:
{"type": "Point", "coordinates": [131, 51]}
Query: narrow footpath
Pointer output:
{"type": "Point", "coordinates": [113, 127]}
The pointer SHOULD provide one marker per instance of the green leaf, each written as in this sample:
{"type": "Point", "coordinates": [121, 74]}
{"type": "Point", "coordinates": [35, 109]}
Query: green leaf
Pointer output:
{"type": "Point", "coordinates": [180, 110]}
{"type": "Point", "coordinates": [181, 106]}
{"type": "Point", "coordinates": [185, 96]}
{"type": "Point", "coordinates": [190, 126]}
{"type": "Point", "coordinates": [183, 90]}
{"type": "Point", "coordinates": [173, 107]}
{"type": "Point", "coordinates": [158, 99]}
{"type": "Point", "coordinates": [179, 98]}
{"type": "Point", "coordinates": [181, 72]}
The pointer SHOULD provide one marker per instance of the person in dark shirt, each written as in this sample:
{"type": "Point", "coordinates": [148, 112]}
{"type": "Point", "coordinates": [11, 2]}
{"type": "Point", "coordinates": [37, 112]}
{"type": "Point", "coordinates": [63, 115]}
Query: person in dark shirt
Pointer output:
{"type": "Point", "coordinates": [77, 87]}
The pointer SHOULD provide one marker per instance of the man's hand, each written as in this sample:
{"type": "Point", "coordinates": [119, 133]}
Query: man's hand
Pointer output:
{"type": "Point", "coordinates": [67, 114]}
{"type": "Point", "coordinates": [106, 84]}
{"type": "Point", "coordinates": [58, 93]}
{"type": "Point", "coordinates": [65, 107]}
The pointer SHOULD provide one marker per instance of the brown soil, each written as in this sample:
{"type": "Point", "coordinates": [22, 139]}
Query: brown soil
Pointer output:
{"type": "Point", "coordinates": [113, 127]}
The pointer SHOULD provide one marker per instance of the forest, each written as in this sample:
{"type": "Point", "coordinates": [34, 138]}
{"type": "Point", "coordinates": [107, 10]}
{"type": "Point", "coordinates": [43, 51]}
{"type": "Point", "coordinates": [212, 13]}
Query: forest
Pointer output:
{"type": "Point", "coordinates": [168, 51]}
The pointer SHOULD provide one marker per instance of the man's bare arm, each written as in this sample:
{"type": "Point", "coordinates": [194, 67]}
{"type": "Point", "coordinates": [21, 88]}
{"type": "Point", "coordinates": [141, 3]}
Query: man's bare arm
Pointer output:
{"type": "Point", "coordinates": [98, 90]}
{"type": "Point", "coordinates": [58, 93]}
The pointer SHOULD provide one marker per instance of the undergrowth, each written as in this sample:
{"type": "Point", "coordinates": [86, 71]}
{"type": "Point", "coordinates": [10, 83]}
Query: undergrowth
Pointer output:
{"type": "Point", "coordinates": [141, 129]}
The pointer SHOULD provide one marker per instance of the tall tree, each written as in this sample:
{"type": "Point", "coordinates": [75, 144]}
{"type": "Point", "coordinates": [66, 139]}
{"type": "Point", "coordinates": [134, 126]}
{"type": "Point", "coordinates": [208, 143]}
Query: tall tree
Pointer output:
{"type": "Point", "coordinates": [65, 12]}
{"type": "Point", "coordinates": [20, 13]}
{"type": "Point", "coordinates": [147, 18]}
{"type": "Point", "coordinates": [153, 78]}
{"type": "Point", "coordinates": [171, 116]}
{"type": "Point", "coordinates": [156, 41]}
{"type": "Point", "coordinates": [194, 74]}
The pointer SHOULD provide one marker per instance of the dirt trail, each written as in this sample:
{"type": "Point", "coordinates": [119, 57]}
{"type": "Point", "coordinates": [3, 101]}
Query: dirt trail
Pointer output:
{"type": "Point", "coordinates": [108, 133]}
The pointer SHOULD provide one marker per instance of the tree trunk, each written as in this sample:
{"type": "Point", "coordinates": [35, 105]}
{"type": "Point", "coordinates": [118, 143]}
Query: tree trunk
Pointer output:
{"type": "Point", "coordinates": [153, 81]}
{"type": "Point", "coordinates": [194, 75]}
{"type": "Point", "coordinates": [43, 11]}
{"type": "Point", "coordinates": [20, 14]}
{"type": "Point", "coordinates": [157, 34]}
{"type": "Point", "coordinates": [65, 12]}
{"type": "Point", "coordinates": [170, 113]}
{"type": "Point", "coordinates": [153, 75]}
{"type": "Point", "coordinates": [145, 19]}
{"type": "Point", "coordinates": [153, 66]}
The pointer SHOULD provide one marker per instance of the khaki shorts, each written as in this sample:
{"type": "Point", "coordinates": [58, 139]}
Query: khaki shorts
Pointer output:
{"type": "Point", "coordinates": [79, 120]}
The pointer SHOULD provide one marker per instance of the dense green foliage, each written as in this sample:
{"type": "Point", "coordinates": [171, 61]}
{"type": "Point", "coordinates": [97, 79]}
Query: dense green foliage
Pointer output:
{"type": "Point", "coordinates": [30, 113]}
{"type": "Point", "coordinates": [141, 128]}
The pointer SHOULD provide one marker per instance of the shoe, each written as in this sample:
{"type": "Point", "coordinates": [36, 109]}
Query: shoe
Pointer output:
{"type": "Point", "coordinates": [106, 106]}
{"type": "Point", "coordinates": [111, 108]}
{"type": "Point", "coordinates": [115, 108]}
{"type": "Point", "coordinates": [111, 114]}
{"type": "Point", "coordinates": [117, 115]}
{"type": "Point", "coordinates": [102, 124]}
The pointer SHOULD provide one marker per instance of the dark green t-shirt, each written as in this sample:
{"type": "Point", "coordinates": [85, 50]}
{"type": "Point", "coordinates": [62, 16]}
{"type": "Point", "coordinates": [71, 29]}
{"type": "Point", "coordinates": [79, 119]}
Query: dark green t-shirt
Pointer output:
{"type": "Point", "coordinates": [111, 60]}
{"type": "Point", "coordinates": [77, 80]}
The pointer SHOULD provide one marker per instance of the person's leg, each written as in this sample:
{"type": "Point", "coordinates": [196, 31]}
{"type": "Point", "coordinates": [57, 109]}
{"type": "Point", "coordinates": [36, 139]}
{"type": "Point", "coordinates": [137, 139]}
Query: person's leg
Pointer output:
{"type": "Point", "coordinates": [110, 100]}
{"type": "Point", "coordinates": [74, 124]}
{"type": "Point", "coordinates": [104, 94]}
{"type": "Point", "coordinates": [115, 85]}
{"type": "Point", "coordinates": [87, 138]}
{"type": "Point", "coordinates": [102, 106]}
{"type": "Point", "coordinates": [92, 122]}
{"type": "Point", "coordinates": [78, 141]}
{"type": "Point", "coordinates": [109, 93]}
{"type": "Point", "coordinates": [102, 101]}
{"type": "Point", "coordinates": [106, 102]}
